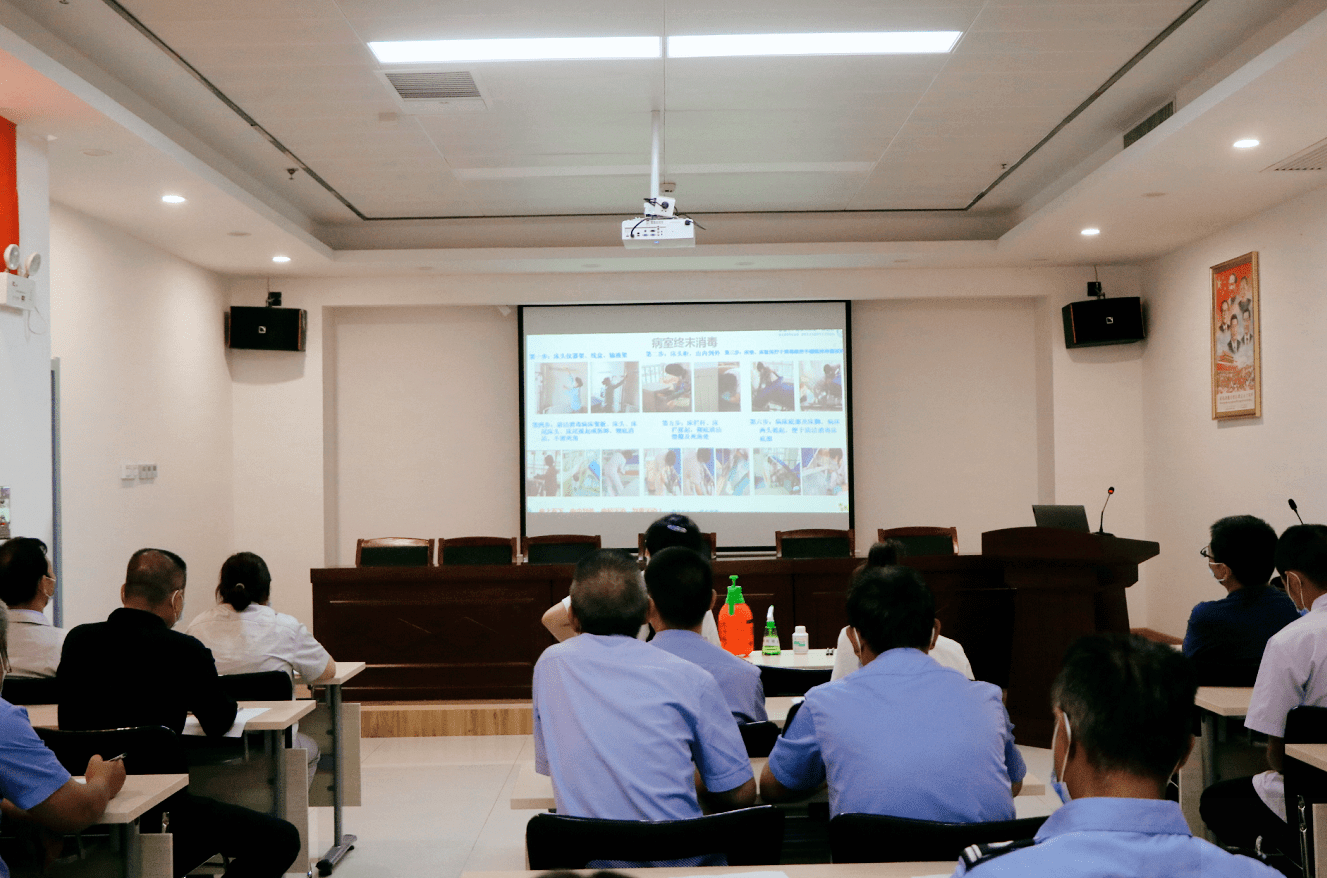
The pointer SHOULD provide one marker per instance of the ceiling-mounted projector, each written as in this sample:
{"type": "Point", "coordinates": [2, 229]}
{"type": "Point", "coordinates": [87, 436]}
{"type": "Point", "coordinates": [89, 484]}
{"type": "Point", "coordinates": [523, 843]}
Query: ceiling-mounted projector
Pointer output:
{"type": "Point", "coordinates": [658, 227]}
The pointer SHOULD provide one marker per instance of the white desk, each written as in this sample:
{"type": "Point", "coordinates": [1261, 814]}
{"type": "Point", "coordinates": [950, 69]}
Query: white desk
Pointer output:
{"type": "Point", "coordinates": [342, 744]}
{"type": "Point", "coordinates": [813, 660]}
{"type": "Point", "coordinates": [1314, 756]}
{"type": "Point", "coordinates": [535, 791]}
{"type": "Point", "coordinates": [1214, 703]}
{"type": "Point", "coordinates": [142, 856]}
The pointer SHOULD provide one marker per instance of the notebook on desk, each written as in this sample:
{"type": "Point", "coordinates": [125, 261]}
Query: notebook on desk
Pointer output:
{"type": "Point", "coordinates": [1062, 517]}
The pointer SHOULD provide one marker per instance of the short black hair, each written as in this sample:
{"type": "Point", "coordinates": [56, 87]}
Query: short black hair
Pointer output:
{"type": "Point", "coordinates": [1303, 549]}
{"type": "Point", "coordinates": [154, 575]}
{"type": "Point", "coordinates": [885, 553]}
{"type": "Point", "coordinates": [22, 566]}
{"type": "Point", "coordinates": [606, 593]}
{"type": "Point", "coordinates": [1246, 544]}
{"type": "Point", "coordinates": [674, 530]}
{"type": "Point", "coordinates": [676, 369]}
{"type": "Point", "coordinates": [682, 585]}
{"type": "Point", "coordinates": [244, 580]}
{"type": "Point", "coordinates": [1129, 702]}
{"type": "Point", "coordinates": [891, 607]}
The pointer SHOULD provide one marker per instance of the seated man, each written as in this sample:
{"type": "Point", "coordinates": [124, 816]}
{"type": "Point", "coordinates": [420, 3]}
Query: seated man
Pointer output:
{"type": "Point", "coordinates": [1293, 673]}
{"type": "Point", "coordinates": [26, 584]}
{"type": "Point", "coordinates": [681, 589]}
{"type": "Point", "coordinates": [671, 530]}
{"type": "Point", "coordinates": [132, 670]}
{"type": "Point", "coordinates": [903, 736]}
{"type": "Point", "coordinates": [625, 729]}
{"type": "Point", "coordinates": [1226, 638]}
{"type": "Point", "coordinates": [1123, 707]}
{"type": "Point", "coordinates": [35, 787]}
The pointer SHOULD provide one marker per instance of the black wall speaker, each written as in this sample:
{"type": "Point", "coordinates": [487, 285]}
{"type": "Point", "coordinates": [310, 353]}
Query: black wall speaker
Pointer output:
{"type": "Point", "coordinates": [267, 329]}
{"type": "Point", "coordinates": [1103, 321]}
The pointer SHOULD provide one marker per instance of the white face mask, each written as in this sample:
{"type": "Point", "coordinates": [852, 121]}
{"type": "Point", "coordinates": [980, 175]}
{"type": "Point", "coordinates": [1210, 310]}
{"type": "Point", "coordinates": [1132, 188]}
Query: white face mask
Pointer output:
{"type": "Point", "coordinates": [1057, 782]}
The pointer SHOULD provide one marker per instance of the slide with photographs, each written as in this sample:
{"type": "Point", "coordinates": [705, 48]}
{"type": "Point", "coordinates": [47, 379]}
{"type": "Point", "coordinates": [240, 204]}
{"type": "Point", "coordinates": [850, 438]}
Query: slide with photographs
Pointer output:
{"type": "Point", "coordinates": [715, 421]}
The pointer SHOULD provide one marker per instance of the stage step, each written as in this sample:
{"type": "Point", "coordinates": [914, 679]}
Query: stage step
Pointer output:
{"type": "Point", "coordinates": [429, 719]}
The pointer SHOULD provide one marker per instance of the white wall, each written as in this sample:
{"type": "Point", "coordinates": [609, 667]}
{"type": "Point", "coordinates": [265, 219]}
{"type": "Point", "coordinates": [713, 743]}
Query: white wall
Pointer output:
{"type": "Point", "coordinates": [976, 452]}
{"type": "Point", "coordinates": [143, 378]}
{"type": "Point", "coordinates": [25, 362]}
{"type": "Point", "coordinates": [1198, 470]}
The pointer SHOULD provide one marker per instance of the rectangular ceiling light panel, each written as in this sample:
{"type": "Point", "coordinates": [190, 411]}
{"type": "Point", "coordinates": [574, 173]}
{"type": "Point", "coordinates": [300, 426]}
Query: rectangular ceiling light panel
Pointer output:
{"type": "Point", "coordinates": [879, 43]}
{"type": "Point", "coordinates": [550, 49]}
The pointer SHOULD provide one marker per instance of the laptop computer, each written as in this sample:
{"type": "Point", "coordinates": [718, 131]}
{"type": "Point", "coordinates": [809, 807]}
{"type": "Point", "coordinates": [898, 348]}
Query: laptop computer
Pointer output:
{"type": "Point", "coordinates": [1062, 517]}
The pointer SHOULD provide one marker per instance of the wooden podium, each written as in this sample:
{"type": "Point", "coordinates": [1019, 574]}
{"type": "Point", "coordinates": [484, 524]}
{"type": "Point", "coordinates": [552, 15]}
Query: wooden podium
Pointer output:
{"type": "Point", "coordinates": [1066, 584]}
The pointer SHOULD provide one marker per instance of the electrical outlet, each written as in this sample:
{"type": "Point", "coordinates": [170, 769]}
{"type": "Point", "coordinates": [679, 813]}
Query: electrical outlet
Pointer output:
{"type": "Point", "coordinates": [128, 471]}
{"type": "Point", "coordinates": [147, 471]}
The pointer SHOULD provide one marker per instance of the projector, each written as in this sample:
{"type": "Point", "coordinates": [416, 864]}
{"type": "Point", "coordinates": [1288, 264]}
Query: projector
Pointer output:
{"type": "Point", "coordinates": [656, 232]}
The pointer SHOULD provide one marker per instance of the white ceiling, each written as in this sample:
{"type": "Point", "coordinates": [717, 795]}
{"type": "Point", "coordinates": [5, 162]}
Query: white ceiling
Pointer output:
{"type": "Point", "coordinates": [786, 162]}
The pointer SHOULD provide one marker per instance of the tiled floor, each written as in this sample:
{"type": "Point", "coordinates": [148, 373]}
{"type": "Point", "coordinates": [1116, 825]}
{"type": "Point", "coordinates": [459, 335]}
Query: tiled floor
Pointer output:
{"type": "Point", "coordinates": [438, 807]}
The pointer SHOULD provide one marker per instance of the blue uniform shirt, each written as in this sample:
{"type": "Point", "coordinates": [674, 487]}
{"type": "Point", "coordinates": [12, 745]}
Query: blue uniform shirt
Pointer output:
{"type": "Point", "coordinates": [1225, 638]}
{"type": "Point", "coordinates": [904, 737]}
{"type": "Point", "coordinates": [29, 772]}
{"type": "Point", "coordinates": [1104, 838]}
{"type": "Point", "coordinates": [619, 726]}
{"type": "Point", "coordinates": [738, 680]}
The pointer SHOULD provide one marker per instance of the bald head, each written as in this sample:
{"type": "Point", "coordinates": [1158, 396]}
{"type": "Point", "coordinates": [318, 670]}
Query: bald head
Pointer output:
{"type": "Point", "coordinates": [607, 596]}
{"type": "Point", "coordinates": [153, 576]}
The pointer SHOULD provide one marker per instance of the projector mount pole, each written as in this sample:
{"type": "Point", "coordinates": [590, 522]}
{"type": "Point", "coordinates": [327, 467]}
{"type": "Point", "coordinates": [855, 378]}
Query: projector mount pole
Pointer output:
{"type": "Point", "coordinates": [654, 157]}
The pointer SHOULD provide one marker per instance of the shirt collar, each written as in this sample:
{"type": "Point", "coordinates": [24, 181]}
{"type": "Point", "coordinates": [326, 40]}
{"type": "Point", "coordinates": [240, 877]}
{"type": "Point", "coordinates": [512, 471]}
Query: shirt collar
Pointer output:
{"type": "Point", "coordinates": [1106, 814]}
{"type": "Point", "coordinates": [1319, 604]}
{"type": "Point", "coordinates": [903, 660]}
{"type": "Point", "coordinates": [31, 617]}
{"type": "Point", "coordinates": [675, 634]}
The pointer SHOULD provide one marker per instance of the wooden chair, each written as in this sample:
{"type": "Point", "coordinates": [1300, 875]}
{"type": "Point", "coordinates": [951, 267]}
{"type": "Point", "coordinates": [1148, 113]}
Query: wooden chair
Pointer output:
{"type": "Point", "coordinates": [559, 548]}
{"type": "Point", "coordinates": [1303, 788]}
{"type": "Point", "coordinates": [922, 540]}
{"type": "Point", "coordinates": [394, 552]}
{"type": "Point", "coordinates": [476, 550]}
{"type": "Point", "coordinates": [814, 543]}
{"type": "Point", "coordinates": [745, 837]}
{"type": "Point", "coordinates": [759, 737]}
{"type": "Point", "coordinates": [712, 538]}
{"type": "Point", "coordinates": [873, 838]}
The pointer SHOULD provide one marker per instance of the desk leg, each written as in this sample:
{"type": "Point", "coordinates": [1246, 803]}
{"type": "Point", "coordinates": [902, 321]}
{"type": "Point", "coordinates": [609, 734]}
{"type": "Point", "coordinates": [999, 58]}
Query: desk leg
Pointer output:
{"type": "Point", "coordinates": [342, 844]}
{"type": "Point", "coordinates": [131, 851]}
{"type": "Point", "coordinates": [1208, 749]}
{"type": "Point", "coordinates": [276, 751]}
{"type": "Point", "coordinates": [1319, 829]}
{"type": "Point", "coordinates": [1191, 791]}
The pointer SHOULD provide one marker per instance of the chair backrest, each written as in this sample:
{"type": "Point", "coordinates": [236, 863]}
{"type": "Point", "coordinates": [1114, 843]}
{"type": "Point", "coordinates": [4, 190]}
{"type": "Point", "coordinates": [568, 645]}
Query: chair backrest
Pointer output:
{"type": "Point", "coordinates": [147, 749]}
{"type": "Point", "coordinates": [814, 543]}
{"type": "Point", "coordinates": [1304, 725]}
{"type": "Point", "coordinates": [874, 838]}
{"type": "Point", "coordinates": [711, 538]}
{"type": "Point", "coordinates": [758, 737]}
{"type": "Point", "coordinates": [791, 681]}
{"type": "Point", "coordinates": [559, 548]}
{"type": "Point", "coordinates": [747, 837]}
{"type": "Point", "coordinates": [31, 690]}
{"type": "Point", "coordinates": [394, 552]}
{"type": "Point", "coordinates": [259, 686]}
{"type": "Point", "coordinates": [788, 720]}
{"type": "Point", "coordinates": [923, 540]}
{"type": "Point", "coordinates": [476, 550]}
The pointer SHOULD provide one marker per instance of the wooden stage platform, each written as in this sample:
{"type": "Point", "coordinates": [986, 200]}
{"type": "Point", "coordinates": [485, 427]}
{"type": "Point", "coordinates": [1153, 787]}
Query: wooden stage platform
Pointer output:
{"type": "Point", "coordinates": [429, 719]}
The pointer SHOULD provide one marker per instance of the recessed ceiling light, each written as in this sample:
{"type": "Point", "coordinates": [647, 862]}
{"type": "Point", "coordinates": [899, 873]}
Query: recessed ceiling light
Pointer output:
{"type": "Point", "coordinates": [865, 43]}
{"type": "Point", "coordinates": [238, 234]}
{"type": "Point", "coordinates": [1248, 143]}
{"type": "Point", "coordinates": [96, 153]}
{"type": "Point", "coordinates": [280, 258]}
{"type": "Point", "coordinates": [173, 199]}
{"type": "Point", "coordinates": [537, 49]}
{"type": "Point", "coordinates": [1090, 232]}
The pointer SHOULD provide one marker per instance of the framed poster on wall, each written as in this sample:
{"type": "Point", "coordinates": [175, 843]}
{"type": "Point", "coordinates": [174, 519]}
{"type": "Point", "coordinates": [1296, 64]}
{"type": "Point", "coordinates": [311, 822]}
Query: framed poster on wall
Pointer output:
{"type": "Point", "coordinates": [1236, 339]}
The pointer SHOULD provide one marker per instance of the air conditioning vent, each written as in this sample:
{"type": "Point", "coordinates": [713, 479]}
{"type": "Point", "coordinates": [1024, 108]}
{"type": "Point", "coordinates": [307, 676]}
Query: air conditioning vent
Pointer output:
{"type": "Point", "coordinates": [435, 91]}
{"type": "Point", "coordinates": [1152, 121]}
{"type": "Point", "coordinates": [1312, 159]}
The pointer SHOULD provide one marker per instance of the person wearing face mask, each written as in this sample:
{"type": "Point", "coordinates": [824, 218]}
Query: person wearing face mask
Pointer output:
{"type": "Point", "coordinates": [1123, 707]}
{"type": "Point", "coordinates": [27, 583]}
{"type": "Point", "coordinates": [903, 736]}
{"type": "Point", "coordinates": [1293, 674]}
{"type": "Point", "coordinates": [1225, 638]}
{"type": "Point", "coordinates": [133, 670]}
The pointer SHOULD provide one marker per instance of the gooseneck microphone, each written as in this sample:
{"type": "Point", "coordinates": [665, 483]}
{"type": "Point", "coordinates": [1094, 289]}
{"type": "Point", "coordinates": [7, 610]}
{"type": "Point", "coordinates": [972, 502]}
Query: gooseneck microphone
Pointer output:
{"type": "Point", "coordinates": [1295, 509]}
{"type": "Point", "coordinates": [1101, 525]}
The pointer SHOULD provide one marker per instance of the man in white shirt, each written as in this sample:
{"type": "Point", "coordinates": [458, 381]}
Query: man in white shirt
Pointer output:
{"type": "Point", "coordinates": [26, 585]}
{"type": "Point", "coordinates": [1293, 673]}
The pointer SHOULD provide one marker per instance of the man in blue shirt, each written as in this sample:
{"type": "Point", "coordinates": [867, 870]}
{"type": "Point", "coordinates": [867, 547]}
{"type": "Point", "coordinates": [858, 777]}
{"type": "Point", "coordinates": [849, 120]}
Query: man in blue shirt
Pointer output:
{"type": "Point", "coordinates": [681, 589]}
{"type": "Point", "coordinates": [1226, 638]}
{"type": "Point", "coordinates": [903, 736]}
{"type": "Point", "coordinates": [623, 728]}
{"type": "Point", "coordinates": [1123, 709]}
